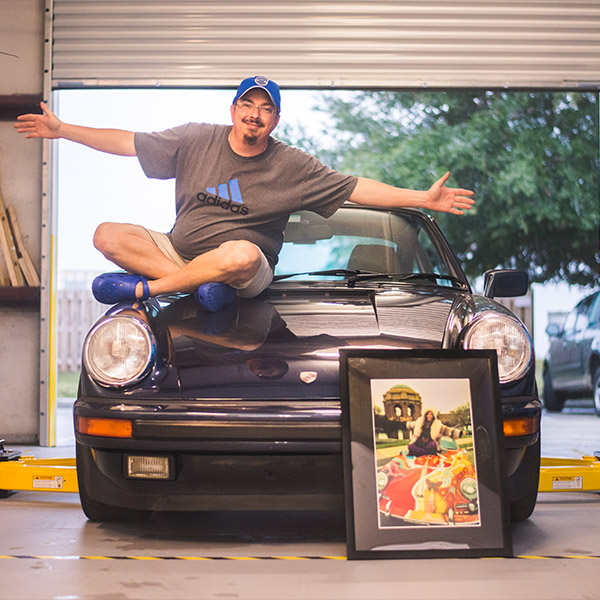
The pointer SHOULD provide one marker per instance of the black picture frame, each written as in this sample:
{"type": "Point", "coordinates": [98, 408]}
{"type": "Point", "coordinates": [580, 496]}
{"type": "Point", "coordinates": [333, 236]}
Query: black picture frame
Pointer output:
{"type": "Point", "coordinates": [450, 503]}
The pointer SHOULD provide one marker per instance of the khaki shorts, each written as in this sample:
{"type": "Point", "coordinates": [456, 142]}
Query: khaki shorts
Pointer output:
{"type": "Point", "coordinates": [251, 288]}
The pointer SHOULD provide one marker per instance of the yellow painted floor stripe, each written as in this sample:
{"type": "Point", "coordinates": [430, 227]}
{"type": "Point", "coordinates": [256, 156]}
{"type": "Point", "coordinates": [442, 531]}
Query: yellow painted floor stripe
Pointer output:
{"type": "Point", "coordinates": [259, 558]}
{"type": "Point", "coordinates": [87, 557]}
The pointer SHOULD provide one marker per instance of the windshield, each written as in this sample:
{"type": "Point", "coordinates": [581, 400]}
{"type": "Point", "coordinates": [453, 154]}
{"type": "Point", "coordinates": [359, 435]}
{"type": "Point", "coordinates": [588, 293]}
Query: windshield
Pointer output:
{"type": "Point", "coordinates": [359, 240]}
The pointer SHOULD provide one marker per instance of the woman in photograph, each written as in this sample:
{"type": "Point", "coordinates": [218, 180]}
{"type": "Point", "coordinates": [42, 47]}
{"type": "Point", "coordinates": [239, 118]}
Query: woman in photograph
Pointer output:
{"type": "Point", "coordinates": [427, 431]}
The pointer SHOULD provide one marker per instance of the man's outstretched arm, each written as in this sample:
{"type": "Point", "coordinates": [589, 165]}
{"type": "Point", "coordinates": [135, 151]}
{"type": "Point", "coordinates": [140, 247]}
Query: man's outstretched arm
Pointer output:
{"type": "Point", "coordinates": [438, 197]}
{"type": "Point", "coordinates": [49, 126]}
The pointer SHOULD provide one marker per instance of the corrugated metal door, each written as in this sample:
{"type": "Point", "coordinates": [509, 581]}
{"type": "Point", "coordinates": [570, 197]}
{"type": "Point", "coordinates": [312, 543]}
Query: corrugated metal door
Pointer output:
{"type": "Point", "coordinates": [322, 43]}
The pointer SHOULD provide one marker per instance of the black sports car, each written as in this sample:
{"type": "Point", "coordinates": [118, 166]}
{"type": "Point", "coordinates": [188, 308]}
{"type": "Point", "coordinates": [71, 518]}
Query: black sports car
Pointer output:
{"type": "Point", "coordinates": [180, 409]}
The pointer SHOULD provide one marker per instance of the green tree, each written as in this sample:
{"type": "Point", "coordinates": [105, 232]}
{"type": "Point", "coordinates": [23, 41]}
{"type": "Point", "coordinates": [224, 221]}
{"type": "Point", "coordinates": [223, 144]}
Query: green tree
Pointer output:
{"type": "Point", "coordinates": [531, 158]}
{"type": "Point", "coordinates": [462, 415]}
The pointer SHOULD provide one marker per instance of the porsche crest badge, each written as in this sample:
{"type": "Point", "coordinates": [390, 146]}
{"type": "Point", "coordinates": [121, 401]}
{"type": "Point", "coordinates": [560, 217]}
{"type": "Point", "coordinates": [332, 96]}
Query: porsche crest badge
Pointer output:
{"type": "Point", "coordinates": [308, 376]}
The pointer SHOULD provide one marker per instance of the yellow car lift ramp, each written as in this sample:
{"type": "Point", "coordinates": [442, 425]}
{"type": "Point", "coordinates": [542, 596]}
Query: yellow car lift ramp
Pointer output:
{"type": "Point", "coordinates": [570, 474]}
{"type": "Point", "coordinates": [26, 473]}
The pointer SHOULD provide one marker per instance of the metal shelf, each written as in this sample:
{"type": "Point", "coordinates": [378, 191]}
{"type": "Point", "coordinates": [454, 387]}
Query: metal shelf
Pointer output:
{"type": "Point", "coordinates": [17, 104]}
{"type": "Point", "coordinates": [22, 297]}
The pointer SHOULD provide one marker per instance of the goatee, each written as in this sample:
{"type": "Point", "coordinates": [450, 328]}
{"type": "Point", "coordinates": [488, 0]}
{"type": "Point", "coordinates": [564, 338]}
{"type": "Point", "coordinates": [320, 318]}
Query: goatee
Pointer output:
{"type": "Point", "coordinates": [250, 139]}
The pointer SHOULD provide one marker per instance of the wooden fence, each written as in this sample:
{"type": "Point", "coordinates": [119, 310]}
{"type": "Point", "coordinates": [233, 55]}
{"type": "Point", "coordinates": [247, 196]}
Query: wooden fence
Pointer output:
{"type": "Point", "coordinates": [77, 312]}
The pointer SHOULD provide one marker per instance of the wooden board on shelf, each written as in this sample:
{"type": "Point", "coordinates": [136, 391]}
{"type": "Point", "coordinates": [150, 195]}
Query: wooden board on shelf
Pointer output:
{"type": "Point", "coordinates": [9, 253]}
{"type": "Point", "coordinates": [16, 267]}
{"type": "Point", "coordinates": [25, 262]}
{"type": "Point", "coordinates": [4, 279]}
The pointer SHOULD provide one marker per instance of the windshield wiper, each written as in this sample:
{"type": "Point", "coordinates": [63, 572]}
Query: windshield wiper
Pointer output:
{"type": "Point", "coordinates": [336, 272]}
{"type": "Point", "coordinates": [356, 275]}
{"type": "Point", "coordinates": [405, 277]}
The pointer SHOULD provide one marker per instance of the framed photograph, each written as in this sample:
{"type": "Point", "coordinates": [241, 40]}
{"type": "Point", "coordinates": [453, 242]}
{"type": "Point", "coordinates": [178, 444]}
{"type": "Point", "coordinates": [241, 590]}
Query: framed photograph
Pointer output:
{"type": "Point", "coordinates": [422, 447]}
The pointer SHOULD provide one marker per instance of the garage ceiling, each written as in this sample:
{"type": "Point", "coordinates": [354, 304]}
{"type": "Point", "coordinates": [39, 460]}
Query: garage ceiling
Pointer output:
{"type": "Point", "coordinates": [322, 43]}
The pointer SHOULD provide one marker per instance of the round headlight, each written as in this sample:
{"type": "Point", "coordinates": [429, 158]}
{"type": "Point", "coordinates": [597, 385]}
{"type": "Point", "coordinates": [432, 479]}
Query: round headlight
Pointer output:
{"type": "Point", "coordinates": [119, 351]}
{"type": "Point", "coordinates": [506, 335]}
{"type": "Point", "coordinates": [382, 481]}
{"type": "Point", "coordinates": [468, 488]}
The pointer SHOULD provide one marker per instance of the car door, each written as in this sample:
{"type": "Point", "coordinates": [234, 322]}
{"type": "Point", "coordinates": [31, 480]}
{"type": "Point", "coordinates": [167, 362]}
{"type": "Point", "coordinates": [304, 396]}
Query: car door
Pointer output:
{"type": "Point", "coordinates": [560, 358]}
{"type": "Point", "coordinates": [588, 330]}
{"type": "Point", "coordinates": [566, 358]}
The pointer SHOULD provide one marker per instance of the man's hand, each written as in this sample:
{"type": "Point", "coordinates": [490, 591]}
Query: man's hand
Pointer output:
{"type": "Point", "coordinates": [46, 125]}
{"type": "Point", "coordinates": [452, 200]}
{"type": "Point", "coordinates": [49, 126]}
{"type": "Point", "coordinates": [369, 192]}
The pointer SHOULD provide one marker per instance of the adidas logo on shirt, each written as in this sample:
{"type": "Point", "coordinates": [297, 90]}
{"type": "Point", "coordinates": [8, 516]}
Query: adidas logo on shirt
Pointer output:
{"type": "Point", "coordinates": [226, 196]}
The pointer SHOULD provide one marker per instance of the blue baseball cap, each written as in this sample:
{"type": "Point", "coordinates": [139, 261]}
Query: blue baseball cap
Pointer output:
{"type": "Point", "coordinates": [262, 83]}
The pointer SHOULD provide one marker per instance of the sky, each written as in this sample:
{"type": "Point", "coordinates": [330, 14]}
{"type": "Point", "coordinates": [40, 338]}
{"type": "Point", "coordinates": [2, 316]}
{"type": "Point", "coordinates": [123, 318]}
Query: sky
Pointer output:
{"type": "Point", "coordinates": [440, 395]}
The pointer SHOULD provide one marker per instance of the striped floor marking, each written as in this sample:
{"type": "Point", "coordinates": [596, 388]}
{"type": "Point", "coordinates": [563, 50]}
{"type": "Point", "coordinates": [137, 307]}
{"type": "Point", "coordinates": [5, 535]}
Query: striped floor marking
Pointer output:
{"type": "Point", "coordinates": [46, 557]}
{"type": "Point", "coordinates": [343, 558]}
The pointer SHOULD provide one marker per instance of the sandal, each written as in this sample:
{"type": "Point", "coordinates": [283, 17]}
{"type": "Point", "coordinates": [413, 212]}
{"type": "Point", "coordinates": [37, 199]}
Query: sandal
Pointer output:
{"type": "Point", "coordinates": [214, 296]}
{"type": "Point", "coordinates": [110, 288]}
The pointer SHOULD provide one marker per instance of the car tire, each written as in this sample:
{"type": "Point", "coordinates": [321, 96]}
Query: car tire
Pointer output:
{"type": "Point", "coordinates": [101, 512]}
{"type": "Point", "coordinates": [529, 472]}
{"type": "Point", "coordinates": [104, 513]}
{"type": "Point", "coordinates": [553, 400]}
{"type": "Point", "coordinates": [596, 390]}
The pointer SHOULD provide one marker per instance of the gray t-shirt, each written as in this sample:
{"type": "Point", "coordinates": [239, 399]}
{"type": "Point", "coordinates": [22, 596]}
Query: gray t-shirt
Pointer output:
{"type": "Point", "coordinates": [222, 196]}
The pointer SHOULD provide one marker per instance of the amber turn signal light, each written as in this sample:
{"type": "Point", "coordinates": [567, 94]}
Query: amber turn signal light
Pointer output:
{"type": "Point", "coordinates": [119, 428]}
{"type": "Point", "coordinates": [517, 427]}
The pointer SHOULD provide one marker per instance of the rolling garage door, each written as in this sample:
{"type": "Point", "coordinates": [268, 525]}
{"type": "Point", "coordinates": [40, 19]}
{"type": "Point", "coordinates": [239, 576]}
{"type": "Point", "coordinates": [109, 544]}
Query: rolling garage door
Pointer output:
{"type": "Point", "coordinates": [400, 44]}
{"type": "Point", "coordinates": [322, 43]}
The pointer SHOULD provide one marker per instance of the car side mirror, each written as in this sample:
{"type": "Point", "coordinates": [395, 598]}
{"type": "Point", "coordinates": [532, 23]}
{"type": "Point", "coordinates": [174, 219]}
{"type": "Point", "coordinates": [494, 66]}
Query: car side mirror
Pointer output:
{"type": "Point", "coordinates": [553, 329]}
{"type": "Point", "coordinates": [505, 283]}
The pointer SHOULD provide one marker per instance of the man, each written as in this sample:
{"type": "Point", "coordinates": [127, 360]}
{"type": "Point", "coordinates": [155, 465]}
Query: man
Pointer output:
{"type": "Point", "coordinates": [235, 189]}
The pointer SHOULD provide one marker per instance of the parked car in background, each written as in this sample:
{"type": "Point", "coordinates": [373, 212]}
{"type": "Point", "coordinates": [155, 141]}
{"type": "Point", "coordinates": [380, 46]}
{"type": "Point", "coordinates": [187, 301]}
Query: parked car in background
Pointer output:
{"type": "Point", "coordinates": [572, 365]}
{"type": "Point", "coordinates": [180, 409]}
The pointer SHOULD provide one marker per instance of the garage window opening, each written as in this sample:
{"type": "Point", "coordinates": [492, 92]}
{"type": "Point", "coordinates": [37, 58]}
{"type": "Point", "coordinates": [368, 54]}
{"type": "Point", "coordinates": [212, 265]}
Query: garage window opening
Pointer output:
{"type": "Point", "coordinates": [530, 157]}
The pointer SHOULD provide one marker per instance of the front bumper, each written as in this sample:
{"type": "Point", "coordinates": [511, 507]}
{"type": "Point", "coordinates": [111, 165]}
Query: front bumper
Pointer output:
{"type": "Point", "coordinates": [217, 482]}
{"type": "Point", "coordinates": [234, 455]}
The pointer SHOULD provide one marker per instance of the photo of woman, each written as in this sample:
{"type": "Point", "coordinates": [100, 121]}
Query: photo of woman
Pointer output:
{"type": "Point", "coordinates": [424, 452]}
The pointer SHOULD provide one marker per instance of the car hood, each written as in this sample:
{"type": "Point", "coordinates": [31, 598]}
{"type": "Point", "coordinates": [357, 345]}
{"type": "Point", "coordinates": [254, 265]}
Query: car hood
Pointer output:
{"type": "Point", "coordinates": [285, 344]}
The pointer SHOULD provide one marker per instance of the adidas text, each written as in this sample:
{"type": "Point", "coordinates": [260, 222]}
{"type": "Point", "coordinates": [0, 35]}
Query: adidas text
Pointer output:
{"type": "Point", "coordinates": [224, 204]}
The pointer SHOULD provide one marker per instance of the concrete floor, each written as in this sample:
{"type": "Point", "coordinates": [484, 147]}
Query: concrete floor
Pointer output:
{"type": "Point", "coordinates": [48, 550]}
